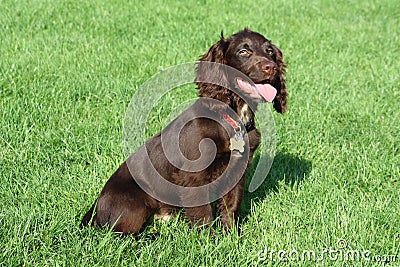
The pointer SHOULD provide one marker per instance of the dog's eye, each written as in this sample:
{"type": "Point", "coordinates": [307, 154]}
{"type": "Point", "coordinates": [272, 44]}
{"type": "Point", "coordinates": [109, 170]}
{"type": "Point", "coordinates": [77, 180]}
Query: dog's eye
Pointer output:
{"type": "Point", "coordinates": [270, 51]}
{"type": "Point", "coordinates": [243, 52]}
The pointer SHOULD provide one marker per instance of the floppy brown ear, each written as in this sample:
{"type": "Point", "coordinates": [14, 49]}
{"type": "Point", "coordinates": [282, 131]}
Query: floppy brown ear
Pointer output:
{"type": "Point", "coordinates": [216, 52]}
{"type": "Point", "coordinates": [280, 85]}
{"type": "Point", "coordinates": [211, 78]}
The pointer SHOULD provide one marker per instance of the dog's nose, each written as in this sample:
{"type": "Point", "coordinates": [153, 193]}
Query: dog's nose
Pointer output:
{"type": "Point", "coordinates": [269, 66]}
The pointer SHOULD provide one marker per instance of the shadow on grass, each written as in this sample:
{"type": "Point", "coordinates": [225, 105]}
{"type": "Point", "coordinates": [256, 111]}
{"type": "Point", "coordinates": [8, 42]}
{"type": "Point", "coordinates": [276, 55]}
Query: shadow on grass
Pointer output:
{"type": "Point", "coordinates": [290, 169]}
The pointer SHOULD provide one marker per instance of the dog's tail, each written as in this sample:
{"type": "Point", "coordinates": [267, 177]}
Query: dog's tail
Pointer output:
{"type": "Point", "coordinates": [88, 216]}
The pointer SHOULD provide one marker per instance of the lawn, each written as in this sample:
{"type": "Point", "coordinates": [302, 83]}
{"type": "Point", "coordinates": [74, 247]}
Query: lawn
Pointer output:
{"type": "Point", "coordinates": [68, 70]}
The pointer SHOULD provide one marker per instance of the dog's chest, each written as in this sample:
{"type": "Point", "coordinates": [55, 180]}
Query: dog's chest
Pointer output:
{"type": "Point", "coordinates": [245, 114]}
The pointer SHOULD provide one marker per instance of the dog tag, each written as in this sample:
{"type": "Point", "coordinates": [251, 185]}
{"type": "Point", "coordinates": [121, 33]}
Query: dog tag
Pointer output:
{"type": "Point", "coordinates": [237, 143]}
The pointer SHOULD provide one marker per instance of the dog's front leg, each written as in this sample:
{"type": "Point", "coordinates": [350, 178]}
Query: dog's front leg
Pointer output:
{"type": "Point", "coordinates": [228, 205]}
{"type": "Point", "coordinates": [199, 216]}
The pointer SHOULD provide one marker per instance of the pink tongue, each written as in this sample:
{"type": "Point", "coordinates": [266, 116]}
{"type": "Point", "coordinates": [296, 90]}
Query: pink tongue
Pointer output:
{"type": "Point", "coordinates": [267, 91]}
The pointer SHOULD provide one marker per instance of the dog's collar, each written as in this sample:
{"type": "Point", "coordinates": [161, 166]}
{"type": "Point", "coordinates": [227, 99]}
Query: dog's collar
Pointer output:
{"type": "Point", "coordinates": [235, 125]}
{"type": "Point", "coordinates": [236, 143]}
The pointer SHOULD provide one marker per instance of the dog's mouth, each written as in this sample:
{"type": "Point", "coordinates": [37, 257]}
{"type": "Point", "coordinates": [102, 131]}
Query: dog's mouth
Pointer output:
{"type": "Point", "coordinates": [262, 91]}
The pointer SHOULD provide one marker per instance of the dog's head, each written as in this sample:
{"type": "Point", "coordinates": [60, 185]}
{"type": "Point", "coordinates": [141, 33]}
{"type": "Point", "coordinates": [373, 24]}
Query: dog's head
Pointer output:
{"type": "Point", "coordinates": [253, 55]}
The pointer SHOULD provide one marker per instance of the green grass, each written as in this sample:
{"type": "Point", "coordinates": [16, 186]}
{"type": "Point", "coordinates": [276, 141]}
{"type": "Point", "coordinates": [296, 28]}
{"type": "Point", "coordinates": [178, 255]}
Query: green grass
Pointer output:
{"type": "Point", "coordinates": [68, 70]}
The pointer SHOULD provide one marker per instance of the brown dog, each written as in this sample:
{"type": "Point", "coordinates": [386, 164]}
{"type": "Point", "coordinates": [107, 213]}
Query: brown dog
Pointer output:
{"type": "Point", "coordinates": [127, 199]}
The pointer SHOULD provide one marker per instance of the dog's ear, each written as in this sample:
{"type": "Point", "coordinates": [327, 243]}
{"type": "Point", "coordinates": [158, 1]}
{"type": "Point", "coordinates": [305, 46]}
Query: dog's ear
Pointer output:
{"type": "Point", "coordinates": [280, 85]}
{"type": "Point", "coordinates": [211, 78]}
{"type": "Point", "coordinates": [216, 53]}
